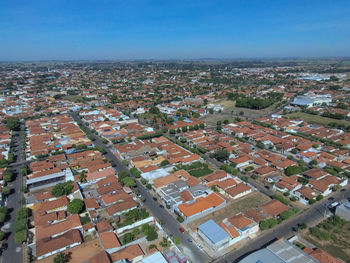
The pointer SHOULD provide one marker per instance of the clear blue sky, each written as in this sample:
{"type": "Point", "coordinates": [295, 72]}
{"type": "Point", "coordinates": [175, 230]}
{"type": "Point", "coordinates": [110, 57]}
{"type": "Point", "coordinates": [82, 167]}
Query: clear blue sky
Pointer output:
{"type": "Point", "coordinates": [101, 29]}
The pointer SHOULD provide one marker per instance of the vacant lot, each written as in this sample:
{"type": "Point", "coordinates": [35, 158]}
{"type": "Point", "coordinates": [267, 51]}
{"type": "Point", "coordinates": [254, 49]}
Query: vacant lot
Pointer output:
{"type": "Point", "coordinates": [315, 119]}
{"type": "Point", "coordinates": [79, 253]}
{"type": "Point", "coordinates": [230, 112]}
{"type": "Point", "coordinates": [234, 207]}
{"type": "Point", "coordinates": [333, 236]}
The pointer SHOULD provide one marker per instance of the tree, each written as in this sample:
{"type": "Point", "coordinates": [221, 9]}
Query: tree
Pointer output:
{"type": "Point", "coordinates": [128, 181]}
{"type": "Point", "coordinates": [164, 163]}
{"type": "Point", "coordinates": [12, 123]}
{"type": "Point", "coordinates": [60, 258]}
{"type": "Point", "coordinates": [135, 172]}
{"type": "Point", "coordinates": [184, 129]}
{"type": "Point", "coordinates": [7, 178]}
{"type": "Point", "coordinates": [291, 170]}
{"type": "Point", "coordinates": [260, 145]}
{"type": "Point", "coordinates": [143, 181]}
{"type": "Point", "coordinates": [76, 206]}
{"type": "Point", "coordinates": [21, 236]}
{"type": "Point", "coordinates": [152, 234]}
{"type": "Point", "coordinates": [6, 190]}
{"type": "Point", "coordinates": [221, 155]}
{"type": "Point", "coordinates": [62, 189]}
{"type": "Point", "coordinates": [128, 237]}
{"type": "Point", "coordinates": [154, 110]}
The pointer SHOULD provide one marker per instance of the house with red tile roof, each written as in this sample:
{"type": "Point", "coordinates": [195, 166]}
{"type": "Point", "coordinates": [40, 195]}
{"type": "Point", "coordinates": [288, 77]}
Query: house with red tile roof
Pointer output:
{"type": "Point", "coordinates": [274, 208]}
{"type": "Point", "coordinates": [239, 190]}
{"type": "Point", "coordinates": [46, 247]}
{"type": "Point", "coordinates": [201, 206]}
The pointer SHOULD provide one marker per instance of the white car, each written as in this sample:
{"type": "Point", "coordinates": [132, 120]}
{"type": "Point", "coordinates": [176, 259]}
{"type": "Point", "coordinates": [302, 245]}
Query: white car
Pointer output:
{"type": "Point", "coordinates": [334, 204]}
{"type": "Point", "coordinates": [199, 246]}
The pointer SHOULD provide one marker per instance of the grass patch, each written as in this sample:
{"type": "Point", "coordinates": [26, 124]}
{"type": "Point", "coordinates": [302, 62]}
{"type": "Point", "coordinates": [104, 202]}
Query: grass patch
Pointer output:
{"type": "Point", "coordinates": [332, 235]}
{"type": "Point", "coordinates": [197, 169]}
{"type": "Point", "coordinates": [315, 119]}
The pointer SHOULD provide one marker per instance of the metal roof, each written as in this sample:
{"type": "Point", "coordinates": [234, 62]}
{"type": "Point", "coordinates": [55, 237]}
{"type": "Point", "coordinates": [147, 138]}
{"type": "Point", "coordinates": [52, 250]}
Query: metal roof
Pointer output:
{"type": "Point", "coordinates": [213, 231]}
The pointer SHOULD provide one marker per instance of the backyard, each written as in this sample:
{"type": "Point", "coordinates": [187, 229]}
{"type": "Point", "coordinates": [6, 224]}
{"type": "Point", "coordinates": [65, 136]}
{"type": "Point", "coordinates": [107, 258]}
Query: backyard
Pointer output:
{"type": "Point", "coordinates": [79, 253]}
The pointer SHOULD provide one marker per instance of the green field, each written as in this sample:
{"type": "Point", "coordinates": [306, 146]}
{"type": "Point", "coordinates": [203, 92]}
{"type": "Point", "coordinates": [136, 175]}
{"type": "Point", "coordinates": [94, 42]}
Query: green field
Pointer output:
{"type": "Point", "coordinates": [315, 119]}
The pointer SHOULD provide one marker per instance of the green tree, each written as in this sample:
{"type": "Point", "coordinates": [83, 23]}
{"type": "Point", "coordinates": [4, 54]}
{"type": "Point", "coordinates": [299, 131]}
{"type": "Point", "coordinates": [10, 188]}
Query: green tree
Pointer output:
{"type": "Point", "coordinates": [154, 110]}
{"type": "Point", "coordinates": [164, 163]}
{"type": "Point", "coordinates": [75, 206]}
{"type": "Point", "coordinates": [291, 170]}
{"type": "Point", "coordinates": [135, 172]}
{"type": "Point", "coordinates": [129, 182]}
{"type": "Point", "coordinates": [221, 155]}
{"type": "Point", "coordinates": [6, 190]}
{"type": "Point", "coordinates": [61, 189]}
{"type": "Point", "coordinates": [21, 236]}
{"type": "Point", "coordinates": [12, 123]}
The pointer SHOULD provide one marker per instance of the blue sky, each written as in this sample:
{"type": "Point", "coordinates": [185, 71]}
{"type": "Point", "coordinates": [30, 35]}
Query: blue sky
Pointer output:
{"type": "Point", "coordinates": [171, 29]}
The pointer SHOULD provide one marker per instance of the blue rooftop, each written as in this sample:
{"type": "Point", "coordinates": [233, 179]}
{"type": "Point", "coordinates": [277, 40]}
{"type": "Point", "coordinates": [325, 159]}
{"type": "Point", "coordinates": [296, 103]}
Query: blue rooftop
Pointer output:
{"type": "Point", "coordinates": [213, 231]}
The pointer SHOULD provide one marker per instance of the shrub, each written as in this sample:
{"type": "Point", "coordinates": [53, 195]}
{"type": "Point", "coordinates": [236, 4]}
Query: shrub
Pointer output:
{"type": "Point", "coordinates": [281, 199]}
{"type": "Point", "coordinates": [267, 223]}
{"type": "Point", "coordinates": [180, 219]}
{"type": "Point", "coordinates": [60, 258]}
{"type": "Point", "coordinates": [319, 197]}
{"type": "Point", "coordinates": [312, 201]}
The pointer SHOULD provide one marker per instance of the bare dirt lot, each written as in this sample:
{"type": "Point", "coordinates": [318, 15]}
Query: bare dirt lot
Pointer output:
{"type": "Point", "coordinates": [251, 201]}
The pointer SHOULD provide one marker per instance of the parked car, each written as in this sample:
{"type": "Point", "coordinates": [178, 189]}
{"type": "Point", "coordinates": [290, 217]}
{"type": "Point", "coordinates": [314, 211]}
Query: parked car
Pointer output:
{"type": "Point", "coordinates": [334, 204]}
{"type": "Point", "coordinates": [161, 206]}
{"type": "Point", "coordinates": [182, 230]}
{"type": "Point", "coordinates": [199, 246]}
{"type": "Point", "coordinates": [189, 240]}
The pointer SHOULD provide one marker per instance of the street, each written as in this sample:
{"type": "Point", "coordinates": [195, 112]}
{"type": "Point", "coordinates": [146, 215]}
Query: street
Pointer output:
{"type": "Point", "coordinates": [316, 212]}
{"type": "Point", "coordinates": [313, 214]}
{"type": "Point", "coordinates": [13, 254]}
{"type": "Point", "coordinates": [171, 224]}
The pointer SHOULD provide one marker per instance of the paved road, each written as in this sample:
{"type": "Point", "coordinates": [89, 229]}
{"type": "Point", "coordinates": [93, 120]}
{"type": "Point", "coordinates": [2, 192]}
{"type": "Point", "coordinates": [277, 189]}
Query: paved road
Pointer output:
{"type": "Point", "coordinates": [309, 217]}
{"type": "Point", "coordinates": [171, 224]}
{"type": "Point", "coordinates": [13, 253]}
